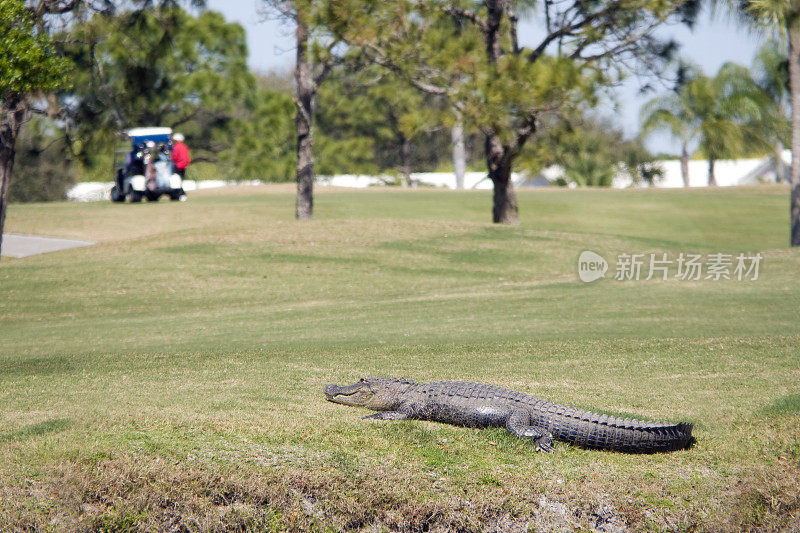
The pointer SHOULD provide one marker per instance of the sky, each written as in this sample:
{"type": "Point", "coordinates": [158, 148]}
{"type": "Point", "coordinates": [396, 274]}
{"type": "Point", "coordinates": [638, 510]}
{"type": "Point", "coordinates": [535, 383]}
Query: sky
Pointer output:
{"type": "Point", "coordinates": [714, 41]}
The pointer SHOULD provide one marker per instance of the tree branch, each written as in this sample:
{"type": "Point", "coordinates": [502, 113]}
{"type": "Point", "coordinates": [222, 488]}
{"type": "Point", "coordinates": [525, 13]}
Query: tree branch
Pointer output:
{"type": "Point", "coordinates": [327, 64]}
{"type": "Point", "coordinates": [512, 18]}
{"type": "Point", "coordinates": [457, 12]}
{"type": "Point", "coordinates": [302, 111]}
{"type": "Point", "coordinates": [378, 56]}
{"type": "Point", "coordinates": [569, 29]}
{"type": "Point", "coordinates": [53, 7]}
{"type": "Point", "coordinates": [527, 129]}
{"type": "Point", "coordinates": [620, 46]}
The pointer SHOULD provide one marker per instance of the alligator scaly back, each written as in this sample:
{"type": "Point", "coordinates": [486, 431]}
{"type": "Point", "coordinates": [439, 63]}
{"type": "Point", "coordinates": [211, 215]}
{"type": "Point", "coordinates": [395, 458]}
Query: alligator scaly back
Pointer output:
{"type": "Point", "coordinates": [480, 405]}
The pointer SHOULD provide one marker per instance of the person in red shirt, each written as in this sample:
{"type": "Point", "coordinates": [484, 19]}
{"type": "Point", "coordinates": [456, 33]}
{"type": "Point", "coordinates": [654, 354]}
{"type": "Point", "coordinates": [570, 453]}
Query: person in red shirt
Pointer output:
{"type": "Point", "coordinates": [180, 154]}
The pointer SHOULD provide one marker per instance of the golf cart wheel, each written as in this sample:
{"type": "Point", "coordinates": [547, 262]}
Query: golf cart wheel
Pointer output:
{"type": "Point", "coordinates": [177, 196]}
{"type": "Point", "coordinates": [152, 196]}
{"type": "Point", "coordinates": [136, 196]}
{"type": "Point", "coordinates": [116, 194]}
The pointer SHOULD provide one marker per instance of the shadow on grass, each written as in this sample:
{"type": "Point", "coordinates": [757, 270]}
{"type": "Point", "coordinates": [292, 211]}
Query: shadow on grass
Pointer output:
{"type": "Point", "coordinates": [35, 366]}
{"type": "Point", "coordinates": [785, 405]}
{"type": "Point", "coordinates": [36, 430]}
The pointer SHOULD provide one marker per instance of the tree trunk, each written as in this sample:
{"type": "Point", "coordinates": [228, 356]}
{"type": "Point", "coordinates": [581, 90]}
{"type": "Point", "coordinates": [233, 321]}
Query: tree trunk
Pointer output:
{"type": "Point", "coordinates": [685, 166]}
{"type": "Point", "coordinates": [491, 34]}
{"type": "Point", "coordinates": [780, 167]}
{"type": "Point", "coordinates": [13, 113]}
{"type": "Point", "coordinates": [498, 158]}
{"type": "Point", "coordinates": [712, 179]}
{"type": "Point", "coordinates": [794, 85]}
{"type": "Point", "coordinates": [459, 152]}
{"type": "Point", "coordinates": [405, 161]}
{"type": "Point", "coordinates": [303, 122]}
{"type": "Point", "coordinates": [504, 207]}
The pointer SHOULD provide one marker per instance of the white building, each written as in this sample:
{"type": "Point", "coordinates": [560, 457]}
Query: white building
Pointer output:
{"type": "Point", "coordinates": [728, 172]}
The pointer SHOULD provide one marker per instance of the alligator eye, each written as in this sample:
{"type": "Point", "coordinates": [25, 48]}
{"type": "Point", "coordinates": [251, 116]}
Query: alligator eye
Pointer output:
{"type": "Point", "coordinates": [362, 380]}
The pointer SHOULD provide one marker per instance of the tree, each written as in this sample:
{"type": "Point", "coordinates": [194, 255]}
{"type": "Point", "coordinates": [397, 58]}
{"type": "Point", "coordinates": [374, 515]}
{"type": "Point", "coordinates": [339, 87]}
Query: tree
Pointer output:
{"type": "Point", "coordinates": [261, 148]}
{"type": "Point", "coordinates": [312, 64]}
{"type": "Point", "coordinates": [771, 72]}
{"type": "Point", "coordinates": [459, 149]}
{"type": "Point", "coordinates": [720, 114]}
{"type": "Point", "coordinates": [386, 115]}
{"type": "Point", "coordinates": [306, 87]}
{"type": "Point", "coordinates": [667, 113]}
{"type": "Point", "coordinates": [469, 52]}
{"type": "Point", "coordinates": [28, 65]}
{"type": "Point", "coordinates": [158, 66]}
{"type": "Point", "coordinates": [783, 18]}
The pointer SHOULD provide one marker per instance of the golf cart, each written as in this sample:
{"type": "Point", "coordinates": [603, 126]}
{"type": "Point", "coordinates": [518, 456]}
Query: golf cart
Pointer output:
{"type": "Point", "coordinates": [146, 171]}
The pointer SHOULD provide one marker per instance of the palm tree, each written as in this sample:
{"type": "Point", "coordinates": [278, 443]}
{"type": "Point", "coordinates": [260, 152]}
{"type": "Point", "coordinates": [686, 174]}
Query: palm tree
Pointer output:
{"type": "Point", "coordinates": [771, 72]}
{"type": "Point", "coordinates": [783, 18]}
{"type": "Point", "coordinates": [720, 114]}
{"type": "Point", "coordinates": [668, 113]}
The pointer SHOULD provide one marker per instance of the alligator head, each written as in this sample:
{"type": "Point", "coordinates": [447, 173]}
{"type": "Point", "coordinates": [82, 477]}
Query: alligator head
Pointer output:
{"type": "Point", "coordinates": [379, 394]}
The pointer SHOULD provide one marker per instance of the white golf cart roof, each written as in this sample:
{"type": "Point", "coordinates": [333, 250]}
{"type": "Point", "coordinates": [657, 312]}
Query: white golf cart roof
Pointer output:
{"type": "Point", "coordinates": [148, 132]}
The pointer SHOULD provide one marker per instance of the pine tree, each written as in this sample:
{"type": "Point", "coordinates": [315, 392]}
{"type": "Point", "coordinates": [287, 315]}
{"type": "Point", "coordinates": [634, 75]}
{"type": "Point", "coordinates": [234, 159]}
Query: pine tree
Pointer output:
{"type": "Point", "coordinates": [386, 114]}
{"type": "Point", "coordinates": [469, 52]}
{"type": "Point", "coordinates": [312, 64]}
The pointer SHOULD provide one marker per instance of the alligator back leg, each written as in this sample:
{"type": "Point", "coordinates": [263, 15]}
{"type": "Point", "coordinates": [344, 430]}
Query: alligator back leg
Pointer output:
{"type": "Point", "coordinates": [519, 423]}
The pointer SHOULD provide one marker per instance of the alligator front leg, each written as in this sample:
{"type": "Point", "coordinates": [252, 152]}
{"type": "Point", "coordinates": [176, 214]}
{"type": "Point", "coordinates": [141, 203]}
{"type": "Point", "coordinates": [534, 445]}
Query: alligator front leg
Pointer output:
{"type": "Point", "coordinates": [519, 423]}
{"type": "Point", "coordinates": [404, 411]}
{"type": "Point", "coordinates": [386, 415]}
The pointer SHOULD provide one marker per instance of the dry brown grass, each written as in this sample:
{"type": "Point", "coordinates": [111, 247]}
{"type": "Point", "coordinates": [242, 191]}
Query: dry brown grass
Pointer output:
{"type": "Point", "coordinates": [766, 500]}
{"type": "Point", "coordinates": [148, 494]}
{"type": "Point", "coordinates": [135, 493]}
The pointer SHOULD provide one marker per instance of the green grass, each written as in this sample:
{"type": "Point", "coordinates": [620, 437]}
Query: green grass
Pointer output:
{"type": "Point", "coordinates": [173, 373]}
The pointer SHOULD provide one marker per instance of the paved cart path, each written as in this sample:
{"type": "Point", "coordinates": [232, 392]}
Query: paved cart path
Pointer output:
{"type": "Point", "coordinates": [25, 245]}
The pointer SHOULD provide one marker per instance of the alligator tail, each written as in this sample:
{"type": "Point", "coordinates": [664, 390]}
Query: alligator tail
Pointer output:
{"type": "Point", "coordinates": [592, 430]}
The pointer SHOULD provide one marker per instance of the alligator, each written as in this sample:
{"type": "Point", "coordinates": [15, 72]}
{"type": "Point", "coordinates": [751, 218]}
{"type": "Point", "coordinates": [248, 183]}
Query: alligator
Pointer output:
{"type": "Point", "coordinates": [469, 404]}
